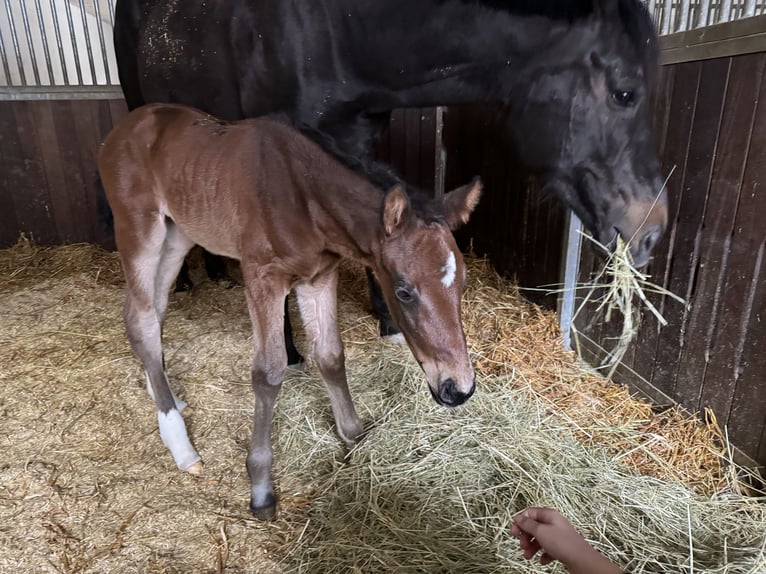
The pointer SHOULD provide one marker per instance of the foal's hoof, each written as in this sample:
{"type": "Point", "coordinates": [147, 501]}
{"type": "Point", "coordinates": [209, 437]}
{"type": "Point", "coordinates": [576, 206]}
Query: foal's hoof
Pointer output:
{"type": "Point", "coordinates": [267, 511]}
{"type": "Point", "coordinates": [195, 469]}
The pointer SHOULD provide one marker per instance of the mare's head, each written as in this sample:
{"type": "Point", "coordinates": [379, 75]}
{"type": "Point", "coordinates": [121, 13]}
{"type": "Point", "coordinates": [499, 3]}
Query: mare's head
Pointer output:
{"type": "Point", "coordinates": [422, 276]}
{"type": "Point", "coordinates": [581, 118]}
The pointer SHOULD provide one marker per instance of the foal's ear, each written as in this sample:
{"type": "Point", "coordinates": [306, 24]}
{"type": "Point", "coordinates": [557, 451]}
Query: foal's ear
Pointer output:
{"type": "Point", "coordinates": [395, 207]}
{"type": "Point", "coordinates": [458, 204]}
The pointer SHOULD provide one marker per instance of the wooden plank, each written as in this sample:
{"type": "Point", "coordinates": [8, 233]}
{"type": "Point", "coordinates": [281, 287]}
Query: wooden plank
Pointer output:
{"type": "Point", "coordinates": [72, 184]}
{"type": "Point", "coordinates": [739, 37]}
{"type": "Point", "coordinates": [696, 187]}
{"type": "Point", "coordinates": [412, 158]}
{"type": "Point", "coordinates": [9, 224]}
{"type": "Point", "coordinates": [747, 236]}
{"type": "Point", "coordinates": [30, 191]}
{"type": "Point", "coordinates": [67, 221]}
{"type": "Point", "coordinates": [675, 148]}
{"type": "Point", "coordinates": [747, 418]}
{"type": "Point", "coordinates": [397, 142]}
{"type": "Point", "coordinates": [714, 237]}
{"type": "Point", "coordinates": [428, 148]}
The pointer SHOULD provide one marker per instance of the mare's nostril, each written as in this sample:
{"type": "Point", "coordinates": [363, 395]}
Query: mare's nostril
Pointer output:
{"type": "Point", "coordinates": [450, 395]}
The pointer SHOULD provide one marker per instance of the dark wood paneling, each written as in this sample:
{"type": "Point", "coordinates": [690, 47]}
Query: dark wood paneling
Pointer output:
{"type": "Point", "coordinates": [515, 226]}
{"type": "Point", "coordinates": [49, 179]}
{"type": "Point", "coordinates": [9, 223]}
{"type": "Point", "coordinates": [408, 144]}
{"type": "Point", "coordinates": [690, 202]}
{"type": "Point", "coordinates": [728, 172]}
{"type": "Point", "coordinates": [710, 119]}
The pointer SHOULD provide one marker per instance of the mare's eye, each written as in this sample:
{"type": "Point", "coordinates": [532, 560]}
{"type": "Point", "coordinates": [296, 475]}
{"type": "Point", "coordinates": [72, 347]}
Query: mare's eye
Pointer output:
{"type": "Point", "coordinates": [624, 98]}
{"type": "Point", "coordinates": [404, 294]}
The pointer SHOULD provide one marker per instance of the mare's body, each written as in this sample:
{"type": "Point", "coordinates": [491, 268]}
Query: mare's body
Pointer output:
{"type": "Point", "coordinates": [574, 75]}
{"type": "Point", "coordinates": [261, 193]}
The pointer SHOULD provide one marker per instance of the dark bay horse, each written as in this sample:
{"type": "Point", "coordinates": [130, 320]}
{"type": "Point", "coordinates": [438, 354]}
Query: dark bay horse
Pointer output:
{"type": "Point", "coordinates": [258, 191]}
{"type": "Point", "coordinates": [574, 76]}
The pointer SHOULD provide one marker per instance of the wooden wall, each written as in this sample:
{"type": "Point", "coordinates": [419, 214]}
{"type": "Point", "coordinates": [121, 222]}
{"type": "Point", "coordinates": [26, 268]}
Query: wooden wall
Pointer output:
{"type": "Point", "coordinates": [48, 170]}
{"type": "Point", "coordinates": [48, 176]}
{"type": "Point", "coordinates": [710, 118]}
{"type": "Point", "coordinates": [514, 225]}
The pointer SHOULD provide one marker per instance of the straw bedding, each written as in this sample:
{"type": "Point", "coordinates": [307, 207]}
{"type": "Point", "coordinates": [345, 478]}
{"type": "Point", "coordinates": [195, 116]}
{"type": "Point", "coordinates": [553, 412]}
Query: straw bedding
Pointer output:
{"type": "Point", "coordinates": [87, 486]}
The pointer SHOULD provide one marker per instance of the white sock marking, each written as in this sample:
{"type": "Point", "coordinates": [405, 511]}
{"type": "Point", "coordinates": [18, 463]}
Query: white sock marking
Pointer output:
{"type": "Point", "coordinates": [173, 433]}
{"type": "Point", "coordinates": [180, 405]}
{"type": "Point", "coordinates": [449, 269]}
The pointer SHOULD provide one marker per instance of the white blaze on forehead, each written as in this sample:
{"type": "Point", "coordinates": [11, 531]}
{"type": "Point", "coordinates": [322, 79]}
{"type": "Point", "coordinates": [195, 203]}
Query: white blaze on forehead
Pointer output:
{"type": "Point", "coordinates": [448, 269]}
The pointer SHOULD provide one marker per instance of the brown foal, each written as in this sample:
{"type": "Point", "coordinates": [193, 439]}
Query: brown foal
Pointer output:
{"type": "Point", "coordinates": [260, 192]}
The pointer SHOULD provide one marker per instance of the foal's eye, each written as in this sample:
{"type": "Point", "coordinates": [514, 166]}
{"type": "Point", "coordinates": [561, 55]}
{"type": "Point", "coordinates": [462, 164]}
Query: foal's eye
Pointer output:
{"type": "Point", "coordinates": [624, 98]}
{"type": "Point", "coordinates": [404, 294]}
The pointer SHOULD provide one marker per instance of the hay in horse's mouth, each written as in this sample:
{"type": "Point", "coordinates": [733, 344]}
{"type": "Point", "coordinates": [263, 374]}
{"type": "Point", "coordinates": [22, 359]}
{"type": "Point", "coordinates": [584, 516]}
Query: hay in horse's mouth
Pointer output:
{"type": "Point", "coordinates": [86, 485]}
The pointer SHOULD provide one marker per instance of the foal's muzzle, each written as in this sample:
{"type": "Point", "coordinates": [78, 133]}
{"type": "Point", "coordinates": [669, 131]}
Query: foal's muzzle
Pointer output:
{"type": "Point", "coordinates": [449, 395]}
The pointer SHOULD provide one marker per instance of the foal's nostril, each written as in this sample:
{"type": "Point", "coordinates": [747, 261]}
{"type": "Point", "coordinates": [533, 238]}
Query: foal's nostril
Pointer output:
{"type": "Point", "coordinates": [450, 395]}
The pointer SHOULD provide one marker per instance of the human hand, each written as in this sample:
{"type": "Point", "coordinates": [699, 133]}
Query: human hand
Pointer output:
{"type": "Point", "coordinates": [545, 530]}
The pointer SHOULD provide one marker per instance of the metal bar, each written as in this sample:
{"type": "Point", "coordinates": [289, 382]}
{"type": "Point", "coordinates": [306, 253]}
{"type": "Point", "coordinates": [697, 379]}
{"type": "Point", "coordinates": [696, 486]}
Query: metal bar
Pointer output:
{"type": "Point", "coordinates": [104, 58]}
{"type": "Point", "coordinates": [46, 48]}
{"type": "Point", "coordinates": [683, 17]}
{"type": "Point", "coordinates": [16, 93]}
{"type": "Point", "coordinates": [59, 42]}
{"type": "Point", "coordinates": [110, 3]}
{"type": "Point", "coordinates": [749, 8]}
{"type": "Point", "coordinates": [15, 40]}
{"type": "Point", "coordinates": [725, 14]}
{"type": "Point", "coordinates": [573, 247]}
{"type": "Point", "coordinates": [666, 10]}
{"type": "Point", "coordinates": [440, 155]}
{"type": "Point", "coordinates": [73, 39]}
{"type": "Point", "coordinates": [88, 47]}
{"type": "Point", "coordinates": [703, 14]}
{"type": "Point", "coordinates": [30, 45]}
{"type": "Point", "coordinates": [4, 57]}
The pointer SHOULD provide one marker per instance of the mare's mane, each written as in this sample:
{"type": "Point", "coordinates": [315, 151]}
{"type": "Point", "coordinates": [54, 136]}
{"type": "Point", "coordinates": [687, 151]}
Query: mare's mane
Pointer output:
{"type": "Point", "coordinates": [635, 17]}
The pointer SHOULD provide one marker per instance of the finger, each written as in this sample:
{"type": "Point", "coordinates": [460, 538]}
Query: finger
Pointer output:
{"type": "Point", "coordinates": [532, 549]}
{"type": "Point", "coordinates": [546, 558]}
{"type": "Point", "coordinates": [544, 515]}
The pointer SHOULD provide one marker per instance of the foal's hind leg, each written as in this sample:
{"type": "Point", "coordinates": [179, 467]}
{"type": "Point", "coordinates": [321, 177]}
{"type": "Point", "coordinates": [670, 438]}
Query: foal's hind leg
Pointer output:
{"type": "Point", "coordinates": [318, 305]}
{"type": "Point", "coordinates": [141, 262]}
{"type": "Point", "coordinates": [174, 250]}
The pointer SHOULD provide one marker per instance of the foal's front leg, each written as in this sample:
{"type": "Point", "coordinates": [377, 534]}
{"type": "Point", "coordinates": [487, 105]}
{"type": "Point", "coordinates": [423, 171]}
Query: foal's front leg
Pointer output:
{"type": "Point", "coordinates": [265, 303]}
{"type": "Point", "coordinates": [318, 304]}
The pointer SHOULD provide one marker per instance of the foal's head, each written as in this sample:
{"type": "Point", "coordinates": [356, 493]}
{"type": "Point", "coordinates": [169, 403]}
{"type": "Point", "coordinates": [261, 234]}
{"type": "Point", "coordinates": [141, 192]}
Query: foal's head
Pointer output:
{"type": "Point", "coordinates": [422, 275]}
{"type": "Point", "coordinates": [582, 117]}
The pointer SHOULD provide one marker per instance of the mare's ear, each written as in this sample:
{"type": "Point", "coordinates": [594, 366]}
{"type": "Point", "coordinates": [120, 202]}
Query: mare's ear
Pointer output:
{"type": "Point", "coordinates": [395, 207]}
{"type": "Point", "coordinates": [606, 9]}
{"type": "Point", "coordinates": [458, 204]}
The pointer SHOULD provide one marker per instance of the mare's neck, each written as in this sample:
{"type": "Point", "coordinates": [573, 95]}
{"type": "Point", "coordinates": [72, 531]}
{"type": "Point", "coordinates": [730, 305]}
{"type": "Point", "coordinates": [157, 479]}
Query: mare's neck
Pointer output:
{"type": "Point", "coordinates": [441, 53]}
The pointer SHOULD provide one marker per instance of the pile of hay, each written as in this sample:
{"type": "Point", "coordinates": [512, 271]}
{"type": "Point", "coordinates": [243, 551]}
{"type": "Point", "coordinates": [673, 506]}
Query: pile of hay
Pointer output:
{"type": "Point", "coordinates": [87, 486]}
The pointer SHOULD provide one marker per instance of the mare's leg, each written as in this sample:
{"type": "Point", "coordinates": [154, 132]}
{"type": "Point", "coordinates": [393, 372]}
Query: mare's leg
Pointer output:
{"type": "Point", "coordinates": [265, 298]}
{"type": "Point", "coordinates": [141, 262]}
{"type": "Point", "coordinates": [294, 358]}
{"type": "Point", "coordinates": [386, 322]}
{"type": "Point", "coordinates": [318, 305]}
